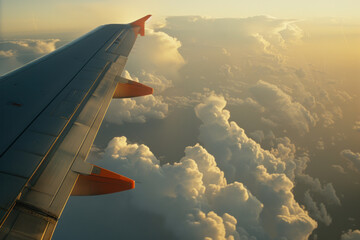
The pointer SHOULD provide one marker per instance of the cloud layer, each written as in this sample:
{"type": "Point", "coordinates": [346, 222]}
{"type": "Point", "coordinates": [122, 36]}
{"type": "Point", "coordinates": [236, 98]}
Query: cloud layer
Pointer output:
{"type": "Point", "coordinates": [15, 53]}
{"type": "Point", "coordinates": [239, 191]}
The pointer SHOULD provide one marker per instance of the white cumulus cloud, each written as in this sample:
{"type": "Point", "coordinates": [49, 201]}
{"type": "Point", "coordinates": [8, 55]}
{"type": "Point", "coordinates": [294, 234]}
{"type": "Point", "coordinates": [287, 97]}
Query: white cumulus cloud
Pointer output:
{"type": "Point", "coordinates": [157, 52]}
{"type": "Point", "coordinates": [245, 161]}
{"type": "Point", "coordinates": [192, 195]}
{"type": "Point", "coordinates": [136, 109]}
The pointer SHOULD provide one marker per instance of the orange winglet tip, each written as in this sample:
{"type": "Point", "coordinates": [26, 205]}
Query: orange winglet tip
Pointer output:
{"type": "Point", "coordinates": [127, 88]}
{"type": "Point", "coordinates": [140, 23]}
{"type": "Point", "coordinates": [101, 181]}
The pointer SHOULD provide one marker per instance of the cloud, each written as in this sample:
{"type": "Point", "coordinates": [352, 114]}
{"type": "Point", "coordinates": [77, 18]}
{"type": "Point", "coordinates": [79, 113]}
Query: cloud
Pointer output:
{"type": "Point", "coordinates": [351, 235]}
{"type": "Point", "coordinates": [352, 157]}
{"type": "Point", "coordinates": [317, 212]}
{"type": "Point", "coordinates": [275, 31]}
{"type": "Point", "coordinates": [248, 102]}
{"type": "Point", "coordinates": [239, 191]}
{"type": "Point", "coordinates": [37, 46]}
{"type": "Point", "coordinates": [326, 191]}
{"type": "Point", "coordinates": [258, 136]}
{"type": "Point", "coordinates": [140, 109]}
{"type": "Point", "coordinates": [15, 53]}
{"type": "Point", "coordinates": [259, 47]}
{"type": "Point", "coordinates": [136, 109]}
{"type": "Point", "coordinates": [295, 170]}
{"type": "Point", "coordinates": [338, 168]}
{"type": "Point", "coordinates": [157, 52]}
{"type": "Point", "coordinates": [192, 195]}
{"type": "Point", "coordinates": [225, 52]}
{"type": "Point", "coordinates": [281, 108]}
{"type": "Point", "coordinates": [6, 54]}
{"type": "Point", "coordinates": [320, 145]}
{"type": "Point", "coordinates": [158, 82]}
{"type": "Point", "coordinates": [245, 161]}
{"type": "Point", "coordinates": [356, 126]}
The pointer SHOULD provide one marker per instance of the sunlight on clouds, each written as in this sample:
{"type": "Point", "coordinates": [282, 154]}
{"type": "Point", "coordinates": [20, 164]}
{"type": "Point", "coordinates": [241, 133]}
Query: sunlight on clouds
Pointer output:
{"type": "Point", "coordinates": [38, 46]}
{"type": "Point", "coordinates": [15, 53]}
{"type": "Point", "coordinates": [188, 194]}
{"type": "Point", "coordinates": [157, 52]}
{"type": "Point", "coordinates": [240, 192]}
{"type": "Point", "coordinates": [281, 108]}
{"type": "Point", "coordinates": [136, 110]}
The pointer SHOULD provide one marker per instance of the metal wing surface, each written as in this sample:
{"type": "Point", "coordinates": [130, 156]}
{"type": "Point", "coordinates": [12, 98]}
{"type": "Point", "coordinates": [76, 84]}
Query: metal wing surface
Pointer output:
{"type": "Point", "coordinates": [51, 110]}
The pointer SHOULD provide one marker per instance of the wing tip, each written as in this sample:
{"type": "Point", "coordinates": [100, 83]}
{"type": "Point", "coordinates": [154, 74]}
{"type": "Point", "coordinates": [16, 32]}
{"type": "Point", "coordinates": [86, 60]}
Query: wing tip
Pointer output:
{"type": "Point", "coordinates": [141, 23]}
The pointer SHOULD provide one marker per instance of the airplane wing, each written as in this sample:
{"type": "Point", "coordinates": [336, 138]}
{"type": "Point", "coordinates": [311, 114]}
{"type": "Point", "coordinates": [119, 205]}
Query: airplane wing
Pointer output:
{"type": "Point", "coordinates": [51, 110]}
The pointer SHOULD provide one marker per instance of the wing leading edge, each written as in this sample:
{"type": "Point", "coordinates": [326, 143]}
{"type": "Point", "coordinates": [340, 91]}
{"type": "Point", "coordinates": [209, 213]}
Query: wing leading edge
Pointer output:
{"type": "Point", "coordinates": [51, 111]}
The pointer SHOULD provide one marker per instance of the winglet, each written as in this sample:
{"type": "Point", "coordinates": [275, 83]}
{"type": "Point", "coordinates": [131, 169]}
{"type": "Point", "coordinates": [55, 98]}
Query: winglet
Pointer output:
{"type": "Point", "coordinates": [141, 23]}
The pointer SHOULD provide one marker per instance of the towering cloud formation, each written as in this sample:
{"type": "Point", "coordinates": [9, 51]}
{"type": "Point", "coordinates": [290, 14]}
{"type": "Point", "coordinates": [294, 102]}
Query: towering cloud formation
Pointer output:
{"type": "Point", "coordinates": [244, 160]}
{"type": "Point", "coordinates": [281, 108]}
{"type": "Point", "coordinates": [158, 53]}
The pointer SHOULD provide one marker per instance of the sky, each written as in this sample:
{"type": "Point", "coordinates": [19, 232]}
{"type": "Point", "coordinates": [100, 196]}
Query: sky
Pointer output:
{"type": "Point", "coordinates": [252, 132]}
{"type": "Point", "coordinates": [54, 16]}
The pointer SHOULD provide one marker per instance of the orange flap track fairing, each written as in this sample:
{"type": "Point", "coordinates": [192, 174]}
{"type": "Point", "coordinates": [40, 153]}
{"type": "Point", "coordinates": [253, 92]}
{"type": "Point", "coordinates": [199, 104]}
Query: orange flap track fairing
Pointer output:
{"type": "Point", "coordinates": [101, 181]}
{"type": "Point", "coordinates": [128, 88]}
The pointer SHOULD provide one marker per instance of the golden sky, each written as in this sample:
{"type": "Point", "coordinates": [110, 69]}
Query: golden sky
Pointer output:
{"type": "Point", "coordinates": [41, 15]}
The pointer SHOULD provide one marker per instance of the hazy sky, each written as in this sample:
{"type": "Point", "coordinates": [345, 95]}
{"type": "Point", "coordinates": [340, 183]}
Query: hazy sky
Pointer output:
{"type": "Point", "coordinates": [42, 15]}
